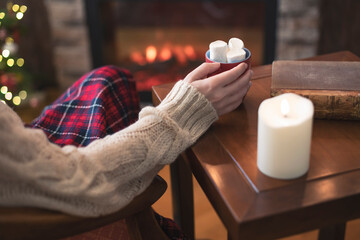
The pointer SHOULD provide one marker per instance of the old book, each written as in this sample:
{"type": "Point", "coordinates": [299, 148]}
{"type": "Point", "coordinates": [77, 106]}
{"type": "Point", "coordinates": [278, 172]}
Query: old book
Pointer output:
{"type": "Point", "coordinates": [333, 87]}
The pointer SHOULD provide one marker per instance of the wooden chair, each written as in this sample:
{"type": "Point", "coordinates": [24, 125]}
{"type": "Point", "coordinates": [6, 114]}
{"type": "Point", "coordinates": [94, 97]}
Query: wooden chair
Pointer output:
{"type": "Point", "coordinates": [33, 223]}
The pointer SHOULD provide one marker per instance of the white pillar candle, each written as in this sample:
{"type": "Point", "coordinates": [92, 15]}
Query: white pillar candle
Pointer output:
{"type": "Point", "coordinates": [284, 136]}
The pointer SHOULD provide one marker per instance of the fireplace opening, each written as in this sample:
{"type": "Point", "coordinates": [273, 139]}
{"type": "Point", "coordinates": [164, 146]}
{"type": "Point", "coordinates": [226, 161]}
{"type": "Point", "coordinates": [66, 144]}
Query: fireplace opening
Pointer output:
{"type": "Point", "coordinates": [161, 41]}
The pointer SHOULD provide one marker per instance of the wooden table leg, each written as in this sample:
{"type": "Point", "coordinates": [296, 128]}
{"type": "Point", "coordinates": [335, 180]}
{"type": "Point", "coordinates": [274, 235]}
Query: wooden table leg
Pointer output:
{"type": "Point", "coordinates": [182, 195]}
{"type": "Point", "coordinates": [335, 232]}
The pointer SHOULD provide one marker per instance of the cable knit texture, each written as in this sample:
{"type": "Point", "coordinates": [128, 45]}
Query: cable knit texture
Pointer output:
{"type": "Point", "coordinates": [106, 175]}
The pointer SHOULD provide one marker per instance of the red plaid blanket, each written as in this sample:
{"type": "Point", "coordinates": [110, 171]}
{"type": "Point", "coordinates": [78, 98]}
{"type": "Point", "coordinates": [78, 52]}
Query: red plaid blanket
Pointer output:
{"type": "Point", "coordinates": [101, 102]}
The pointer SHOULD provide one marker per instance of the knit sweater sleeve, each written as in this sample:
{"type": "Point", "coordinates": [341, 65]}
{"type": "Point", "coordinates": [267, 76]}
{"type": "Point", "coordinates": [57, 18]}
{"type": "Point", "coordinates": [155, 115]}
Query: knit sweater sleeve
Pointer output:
{"type": "Point", "coordinates": [107, 174]}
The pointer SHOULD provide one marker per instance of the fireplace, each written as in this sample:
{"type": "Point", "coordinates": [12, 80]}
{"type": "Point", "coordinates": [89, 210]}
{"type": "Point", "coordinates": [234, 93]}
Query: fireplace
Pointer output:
{"type": "Point", "coordinates": [161, 41]}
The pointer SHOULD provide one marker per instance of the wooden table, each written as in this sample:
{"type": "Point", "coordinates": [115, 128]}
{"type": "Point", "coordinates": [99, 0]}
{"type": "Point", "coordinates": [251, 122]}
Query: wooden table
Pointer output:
{"type": "Point", "coordinates": [254, 206]}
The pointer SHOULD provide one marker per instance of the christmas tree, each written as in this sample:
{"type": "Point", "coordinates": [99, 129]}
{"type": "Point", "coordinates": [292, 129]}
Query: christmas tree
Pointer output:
{"type": "Point", "coordinates": [15, 81]}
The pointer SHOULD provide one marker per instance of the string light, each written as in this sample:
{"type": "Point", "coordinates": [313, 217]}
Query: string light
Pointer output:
{"type": "Point", "coordinates": [8, 96]}
{"type": "Point", "coordinates": [15, 7]}
{"type": "Point", "coordinates": [4, 89]}
{"type": "Point", "coordinates": [9, 40]}
{"type": "Point", "coordinates": [9, 5]}
{"type": "Point", "coordinates": [5, 53]}
{"type": "Point", "coordinates": [20, 62]}
{"type": "Point", "coordinates": [23, 94]}
{"type": "Point", "coordinates": [16, 100]}
{"type": "Point", "coordinates": [19, 15]}
{"type": "Point", "coordinates": [10, 62]}
{"type": "Point", "coordinates": [23, 8]}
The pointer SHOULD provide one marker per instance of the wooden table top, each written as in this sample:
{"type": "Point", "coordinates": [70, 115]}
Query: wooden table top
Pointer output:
{"type": "Point", "coordinates": [254, 206]}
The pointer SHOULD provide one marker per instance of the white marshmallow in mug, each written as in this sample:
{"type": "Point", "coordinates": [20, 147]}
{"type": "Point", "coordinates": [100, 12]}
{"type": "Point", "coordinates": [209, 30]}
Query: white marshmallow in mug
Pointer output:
{"type": "Point", "coordinates": [236, 43]}
{"type": "Point", "coordinates": [235, 55]}
{"type": "Point", "coordinates": [218, 51]}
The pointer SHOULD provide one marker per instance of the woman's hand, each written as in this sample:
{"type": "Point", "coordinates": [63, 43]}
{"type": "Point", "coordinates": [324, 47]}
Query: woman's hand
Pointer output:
{"type": "Point", "coordinates": [225, 90]}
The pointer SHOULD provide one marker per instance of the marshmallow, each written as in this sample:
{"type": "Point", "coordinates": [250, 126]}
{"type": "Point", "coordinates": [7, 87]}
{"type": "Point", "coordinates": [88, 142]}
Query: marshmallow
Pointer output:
{"type": "Point", "coordinates": [235, 55]}
{"type": "Point", "coordinates": [218, 51]}
{"type": "Point", "coordinates": [236, 43]}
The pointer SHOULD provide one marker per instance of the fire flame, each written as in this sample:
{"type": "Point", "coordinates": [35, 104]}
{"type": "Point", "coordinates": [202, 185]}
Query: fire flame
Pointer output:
{"type": "Point", "coordinates": [138, 58]}
{"type": "Point", "coordinates": [179, 55]}
{"type": "Point", "coordinates": [165, 54]}
{"type": "Point", "coordinates": [150, 54]}
{"type": "Point", "coordinates": [190, 52]}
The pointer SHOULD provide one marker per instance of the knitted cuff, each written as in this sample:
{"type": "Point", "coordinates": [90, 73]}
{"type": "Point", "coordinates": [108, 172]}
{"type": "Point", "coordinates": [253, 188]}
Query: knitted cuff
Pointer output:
{"type": "Point", "coordinates": [189, 109]}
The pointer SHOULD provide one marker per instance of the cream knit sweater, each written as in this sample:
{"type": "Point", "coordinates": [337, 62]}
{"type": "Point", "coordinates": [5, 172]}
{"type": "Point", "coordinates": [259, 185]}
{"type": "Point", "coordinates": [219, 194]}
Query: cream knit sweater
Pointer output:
{"type": "Point", "coordinates": [106, 175]}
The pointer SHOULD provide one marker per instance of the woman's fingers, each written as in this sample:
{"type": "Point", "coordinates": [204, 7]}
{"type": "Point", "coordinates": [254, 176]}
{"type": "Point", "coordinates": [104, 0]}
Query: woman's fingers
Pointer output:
{"type": "Point", "coordinates": [229, 76]}
{"type": "Point", "coordinates": [233, 101]}
{"type": "Point", "coordinates": [226, 90]}
{"type": "Point", "coordinates": [202, 71]}
{"type": "Point", "coordinates": [238, 84]}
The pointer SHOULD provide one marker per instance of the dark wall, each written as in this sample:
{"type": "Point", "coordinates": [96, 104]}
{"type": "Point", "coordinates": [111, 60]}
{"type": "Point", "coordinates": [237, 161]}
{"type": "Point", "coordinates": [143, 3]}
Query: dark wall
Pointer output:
{"type": "Point", "coordinates": [339, 26]}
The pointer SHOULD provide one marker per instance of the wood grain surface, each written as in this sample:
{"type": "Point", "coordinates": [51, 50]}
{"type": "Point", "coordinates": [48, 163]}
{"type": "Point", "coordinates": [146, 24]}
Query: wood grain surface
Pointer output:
{"type": "Point", "coordinates": [254, 206]}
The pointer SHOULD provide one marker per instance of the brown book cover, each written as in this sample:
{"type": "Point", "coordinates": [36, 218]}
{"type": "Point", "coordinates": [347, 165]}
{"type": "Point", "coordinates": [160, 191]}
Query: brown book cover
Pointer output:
{"type": "Point", "coordinates": [333, 87]}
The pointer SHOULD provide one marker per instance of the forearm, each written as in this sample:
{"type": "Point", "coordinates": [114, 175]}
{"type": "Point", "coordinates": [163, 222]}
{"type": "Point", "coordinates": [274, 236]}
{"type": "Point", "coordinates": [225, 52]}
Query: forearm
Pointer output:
{"type": "Point", "coordinates": [108, 173]}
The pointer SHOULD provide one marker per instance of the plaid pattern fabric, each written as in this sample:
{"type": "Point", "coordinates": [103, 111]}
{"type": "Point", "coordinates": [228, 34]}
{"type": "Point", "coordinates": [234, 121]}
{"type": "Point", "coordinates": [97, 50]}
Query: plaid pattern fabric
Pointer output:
{"type": "Point", "coordinates": [101, 102]}
{"type": "Point", "coordinates": [117, 230]}
{"type": "Point", "coordinates": [171, 229]}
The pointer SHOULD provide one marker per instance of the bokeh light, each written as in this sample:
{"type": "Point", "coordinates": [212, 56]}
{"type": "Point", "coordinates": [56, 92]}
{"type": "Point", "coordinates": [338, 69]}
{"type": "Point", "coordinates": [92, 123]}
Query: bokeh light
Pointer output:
{"type": "Point", "coordinates": [9, 40]}
{"type": "Point", "coordinates": [19, 15]}
{"type": "Point", "coordinates": [8, 96]}
{"type": "Point", "coordinates": [4, 89]}
{"type": "Point", "coordinates": [20, 62]}
{"type": "Point", "coordinates": [5, 53]}
{"type": "Point", "coordinates": [17, 100]}
{"type": "Point", "coordinates": [23, 94]}
{"type": "Point", "coordinates": [15, 7]}
{"type": "Point", "coordinates": [23, 8]}
{"type": "Point", "coordinates": [10, 62]}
